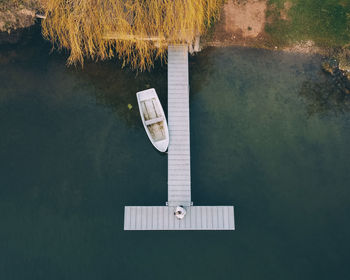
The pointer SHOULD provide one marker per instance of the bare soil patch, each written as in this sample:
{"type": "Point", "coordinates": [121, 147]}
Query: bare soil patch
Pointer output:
{"type": "Point", "coordinates": [245, 17]}
{"type": "Point", "coordinates": [242, 23]}
{"type": "Point", "coordinates": [15, 14]}
{"type": "Point", "coordinates": [285, 10]}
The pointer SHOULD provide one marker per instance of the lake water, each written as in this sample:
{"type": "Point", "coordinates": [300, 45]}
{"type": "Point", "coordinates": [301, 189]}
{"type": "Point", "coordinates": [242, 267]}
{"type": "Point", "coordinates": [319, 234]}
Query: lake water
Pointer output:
{"type": "Point", "coordinates": [72, 155]}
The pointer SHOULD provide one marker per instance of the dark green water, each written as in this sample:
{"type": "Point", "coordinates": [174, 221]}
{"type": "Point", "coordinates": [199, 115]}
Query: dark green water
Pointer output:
{"type": "Point", "coordinates": [72, 155]}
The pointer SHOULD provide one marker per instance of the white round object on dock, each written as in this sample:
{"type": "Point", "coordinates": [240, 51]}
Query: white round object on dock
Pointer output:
{"type": "Point", "coordinates": [180, 212]}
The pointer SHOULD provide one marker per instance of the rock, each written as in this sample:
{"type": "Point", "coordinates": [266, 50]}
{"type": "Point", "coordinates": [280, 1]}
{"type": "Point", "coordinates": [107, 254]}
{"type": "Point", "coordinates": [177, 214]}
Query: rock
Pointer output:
{"type": "Point", "coordinates": [328, 68]}
{"type": "Point", "coordinates": [339, 71]}
{"type": "Point", "coordinates": [27, 12]}
{"type": "Point", "coordinates": [343, 57]}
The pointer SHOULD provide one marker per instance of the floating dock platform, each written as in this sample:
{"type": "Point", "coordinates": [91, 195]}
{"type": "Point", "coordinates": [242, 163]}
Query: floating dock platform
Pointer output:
{"type": "Point", "coordinates": [179, 165]}
{"type": "Point", "coordinates": [163, 218]}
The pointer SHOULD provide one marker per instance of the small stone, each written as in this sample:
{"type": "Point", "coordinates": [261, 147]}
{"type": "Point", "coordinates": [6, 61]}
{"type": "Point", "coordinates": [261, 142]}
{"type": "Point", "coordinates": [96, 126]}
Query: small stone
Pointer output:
{"type": "Point", "coordinates": [327, 68]}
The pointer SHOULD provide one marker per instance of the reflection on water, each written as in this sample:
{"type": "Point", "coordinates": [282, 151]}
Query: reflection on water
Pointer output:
{"type": "Point", "coordinates": [108, 80]}
{"type": "Point", "coordinates": [72, 154]}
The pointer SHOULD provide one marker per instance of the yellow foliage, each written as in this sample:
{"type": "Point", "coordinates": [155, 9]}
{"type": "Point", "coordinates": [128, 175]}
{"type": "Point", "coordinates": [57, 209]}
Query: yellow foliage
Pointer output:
{"type": "Point", "coordinates": [84, 26]}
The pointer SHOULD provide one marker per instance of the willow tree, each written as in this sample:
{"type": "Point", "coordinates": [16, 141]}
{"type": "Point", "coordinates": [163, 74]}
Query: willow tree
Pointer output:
{"type": "Point", "coordinates": [136, 31]}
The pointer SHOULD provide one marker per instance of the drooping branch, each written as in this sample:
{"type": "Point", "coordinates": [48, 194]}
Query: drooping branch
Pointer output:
{"type": "Point", "coordinates": [85, 26]}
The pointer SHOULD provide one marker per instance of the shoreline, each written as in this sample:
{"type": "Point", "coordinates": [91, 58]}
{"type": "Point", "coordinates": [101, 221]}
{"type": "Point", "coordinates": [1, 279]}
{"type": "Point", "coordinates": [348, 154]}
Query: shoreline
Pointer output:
{"type": "Point", "coordinates": [242, 23]}
{"type": "Point", "coordinates": [307, 47]}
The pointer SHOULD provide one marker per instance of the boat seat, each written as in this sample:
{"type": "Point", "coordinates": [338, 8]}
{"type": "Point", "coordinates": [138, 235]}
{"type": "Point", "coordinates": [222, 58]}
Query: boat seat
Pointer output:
{"type": "Point", "coordinates": [155, 120]}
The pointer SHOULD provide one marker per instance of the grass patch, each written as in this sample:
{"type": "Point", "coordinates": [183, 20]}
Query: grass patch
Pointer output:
{"type": "Point", "coordinates": [326, 22]}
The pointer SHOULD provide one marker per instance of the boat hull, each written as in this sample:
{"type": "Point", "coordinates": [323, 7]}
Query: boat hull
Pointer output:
{"type": "Point", "coordinates": [153, 119]}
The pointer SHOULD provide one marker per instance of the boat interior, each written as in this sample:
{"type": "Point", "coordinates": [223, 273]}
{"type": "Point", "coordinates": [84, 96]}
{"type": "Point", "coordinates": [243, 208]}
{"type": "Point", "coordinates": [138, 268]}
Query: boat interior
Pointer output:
{"type": "Point", "coordinates": [154, 119]}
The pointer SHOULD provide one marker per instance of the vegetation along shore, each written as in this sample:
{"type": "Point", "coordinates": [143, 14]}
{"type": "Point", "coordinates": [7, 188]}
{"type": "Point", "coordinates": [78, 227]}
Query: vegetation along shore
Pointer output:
{"type": "Point", "coordinates": [307, 26]}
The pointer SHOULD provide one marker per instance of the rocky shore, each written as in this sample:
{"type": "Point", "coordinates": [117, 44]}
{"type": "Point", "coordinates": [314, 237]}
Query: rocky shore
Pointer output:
{"type": "Point", "coordinates": [337, 64]}
{"type": "Point", "coordinates": [15, 17]}
{"type": "Point", "coordinates": [17, 14]}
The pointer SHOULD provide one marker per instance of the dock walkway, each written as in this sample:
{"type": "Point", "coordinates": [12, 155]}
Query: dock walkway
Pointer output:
{"type": "Point", "coordinates": [179, 159]}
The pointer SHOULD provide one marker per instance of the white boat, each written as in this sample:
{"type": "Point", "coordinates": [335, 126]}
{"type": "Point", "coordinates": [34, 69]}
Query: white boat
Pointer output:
{"type": "Point", "coordinates": [153, 118]}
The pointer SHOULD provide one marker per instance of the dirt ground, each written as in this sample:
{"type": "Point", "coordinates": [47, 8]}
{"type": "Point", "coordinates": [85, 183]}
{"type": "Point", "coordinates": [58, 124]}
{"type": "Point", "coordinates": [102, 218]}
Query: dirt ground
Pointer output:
{"type": "Point", "coordinates": [284, 12]}
{"type": "Point", "coordinates": [247, 18]}
{"type": "Point", "coordinates": [15, 14]}
{"type": "Point", "coordinates": [11, 20]}
{"type": "Point", "coordinates": [243, 22]}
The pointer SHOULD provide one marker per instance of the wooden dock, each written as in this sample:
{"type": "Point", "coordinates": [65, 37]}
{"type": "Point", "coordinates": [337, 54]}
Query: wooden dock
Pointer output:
{"type": "Point", "coordinates": [179, 160]}
{"type": "Point", "coordinates": [179, 166]}
{"type": "Point", "coordinates": [162, 218]}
